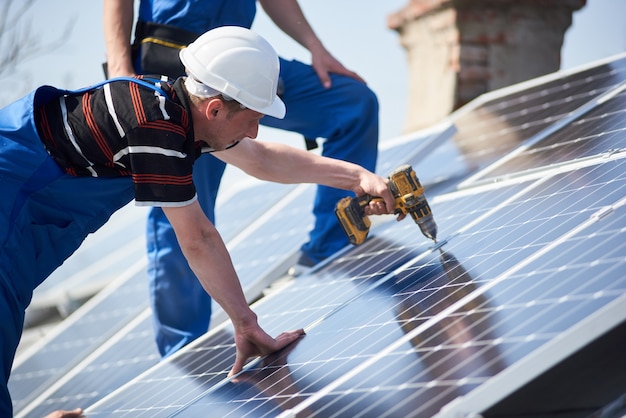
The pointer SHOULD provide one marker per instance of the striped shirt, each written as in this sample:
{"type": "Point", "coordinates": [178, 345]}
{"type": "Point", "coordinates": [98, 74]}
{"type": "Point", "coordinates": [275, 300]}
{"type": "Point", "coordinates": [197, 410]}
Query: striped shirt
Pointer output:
{"type": "Point", "coordinates": [125, 129]}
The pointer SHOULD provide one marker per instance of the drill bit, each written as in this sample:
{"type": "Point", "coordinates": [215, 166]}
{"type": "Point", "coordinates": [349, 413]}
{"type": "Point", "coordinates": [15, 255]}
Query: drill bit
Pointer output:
{"type": "Point", "coordinates": [428, 227]}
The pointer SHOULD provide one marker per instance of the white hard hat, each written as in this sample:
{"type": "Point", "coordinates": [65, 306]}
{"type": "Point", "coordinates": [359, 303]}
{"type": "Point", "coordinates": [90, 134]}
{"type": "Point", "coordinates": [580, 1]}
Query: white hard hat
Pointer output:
{"type": "Point", "coordinates": [239, 64]}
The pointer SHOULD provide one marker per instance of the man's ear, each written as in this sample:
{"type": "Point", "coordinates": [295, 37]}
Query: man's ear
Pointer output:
{"type": "Point", "coordinates": [213, 108]}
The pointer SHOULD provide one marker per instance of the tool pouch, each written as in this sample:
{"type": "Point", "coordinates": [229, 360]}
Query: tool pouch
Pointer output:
{"type": "Point", "coordinates": [156, 47]}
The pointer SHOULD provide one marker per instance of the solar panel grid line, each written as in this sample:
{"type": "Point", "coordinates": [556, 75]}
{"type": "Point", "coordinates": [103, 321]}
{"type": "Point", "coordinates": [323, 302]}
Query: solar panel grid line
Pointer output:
{"type": "Point", "coordinates": [271, 212]}
{"type": "Point", "coordinates": [424, 142]}
{"type": "Point", "coordinates": [442, 128]}
{"type": "Point", "coordinates": [259, 198]}
{"type": "Point", "coordinates": [481, 218]}
{"type": "Point", "coordinates": [147, 375]}
{"type": "Point", "coordinates": [556, 168]}
{"type": "Point", "coordinates": [506, 382]}
{"type": "Point", "coordinates": [549, 130]}
{"type": "Point", "coordinates": [601, 132]}
{"type": "Point", "coordinates": [42, 364]}
{"type": "Point", "coordinates": [70, 344]}
{"type": "Point", "coordinates": [495, 127]}
{"type": "Point", "coordinates": [45, 395]}
{"type": "Point", "coordinates": [370, 287]}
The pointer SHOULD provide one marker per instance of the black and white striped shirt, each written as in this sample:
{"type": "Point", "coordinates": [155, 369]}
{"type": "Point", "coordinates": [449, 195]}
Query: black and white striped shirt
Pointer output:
{"type": "Point", "coordinates": [125, 129]}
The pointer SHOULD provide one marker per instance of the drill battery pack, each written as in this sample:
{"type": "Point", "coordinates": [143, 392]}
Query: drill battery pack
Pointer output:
{"type": "Point", "coordinates": [351, 215]}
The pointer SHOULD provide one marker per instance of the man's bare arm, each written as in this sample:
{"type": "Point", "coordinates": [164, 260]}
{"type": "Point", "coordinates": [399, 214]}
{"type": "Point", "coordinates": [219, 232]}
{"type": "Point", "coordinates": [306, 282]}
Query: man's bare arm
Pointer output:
{"type": "Point", "coordinates": [282, 163]}
{"type": "Point", "coordinates": [288, 16]}
{"type": "Point", "coordinates": [208, 257]}
{"type": "Point", "coordinates": [118, 18]}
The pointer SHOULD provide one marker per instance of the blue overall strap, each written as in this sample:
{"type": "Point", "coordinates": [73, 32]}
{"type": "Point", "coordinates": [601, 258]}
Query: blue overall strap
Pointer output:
{"type": "Point", "coordinates": [129, 79]}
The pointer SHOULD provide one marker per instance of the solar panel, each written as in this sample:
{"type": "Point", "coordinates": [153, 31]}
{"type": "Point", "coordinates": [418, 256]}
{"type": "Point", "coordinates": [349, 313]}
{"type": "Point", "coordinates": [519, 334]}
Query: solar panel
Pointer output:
{"type": "Point", "coordinates": [499, 122]}
{"type": "Point", "coordinates": [528, 270]}
{"type": "Point", "coordinates": [404, 335]}
{"type": "Point", "coordinates": [595, 130]}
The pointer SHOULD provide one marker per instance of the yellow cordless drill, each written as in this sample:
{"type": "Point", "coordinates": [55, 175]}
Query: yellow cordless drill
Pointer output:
{"type": "Point", "coordinates": [409, 199]}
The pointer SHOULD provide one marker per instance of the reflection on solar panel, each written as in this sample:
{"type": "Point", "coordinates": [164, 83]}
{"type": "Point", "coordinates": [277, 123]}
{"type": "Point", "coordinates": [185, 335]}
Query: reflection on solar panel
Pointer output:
{"type": "Point", "coordinates": [595, 131]}
{"type": "Point", "coordinates": [499, 122]}
{"type": "Point", "coordinates": [528, 272]}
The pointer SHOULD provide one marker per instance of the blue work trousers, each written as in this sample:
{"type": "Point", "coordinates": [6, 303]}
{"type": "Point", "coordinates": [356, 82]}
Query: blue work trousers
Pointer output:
{"type": "Point", "coordinates": [46, 215]}
{"type": "Point", "coordinates": [345, 116]}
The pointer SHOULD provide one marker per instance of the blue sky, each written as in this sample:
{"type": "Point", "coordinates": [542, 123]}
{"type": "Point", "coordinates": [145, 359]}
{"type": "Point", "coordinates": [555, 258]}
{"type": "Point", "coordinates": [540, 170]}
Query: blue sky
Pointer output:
{"type": "Point", "coordinates": [354, 31]}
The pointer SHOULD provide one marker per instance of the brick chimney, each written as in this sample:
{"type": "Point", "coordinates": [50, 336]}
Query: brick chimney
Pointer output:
{"type": "Point", "coordinates": [460, 49]}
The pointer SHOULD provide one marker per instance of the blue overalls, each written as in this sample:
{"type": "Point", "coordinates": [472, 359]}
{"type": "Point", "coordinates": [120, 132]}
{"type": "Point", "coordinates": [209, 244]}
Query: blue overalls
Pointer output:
{"type": "Point", "coordinates": [346, 115]}
{"type": "Point", "coordinates": [46, 215]}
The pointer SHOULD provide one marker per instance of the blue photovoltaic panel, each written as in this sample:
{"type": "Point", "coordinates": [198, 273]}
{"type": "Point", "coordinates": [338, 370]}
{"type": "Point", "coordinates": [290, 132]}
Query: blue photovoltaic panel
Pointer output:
{"type": "Point", "coordinates": [502, 292]}
{"type": "Point", "coordinates": [121, 358]}
{"type": "Point", "coordinates": [598, 132]}
{"type": "Point", "coordinates": [501, 121]}
{"type": "Point", "coordinates": [243, 206]}
{"type": "Point", "coordinates": [419, 145]}
{"type": "Point", "coordinates": [398, 330]}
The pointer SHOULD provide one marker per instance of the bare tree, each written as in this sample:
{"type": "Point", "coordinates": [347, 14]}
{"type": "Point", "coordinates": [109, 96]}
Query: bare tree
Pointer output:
{"type": "Point", "coordinates": [18, 41]}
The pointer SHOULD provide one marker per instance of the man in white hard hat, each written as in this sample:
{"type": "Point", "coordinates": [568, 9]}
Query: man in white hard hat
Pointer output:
{"type": "Point", "coordinates": [324, 99]}
{"type": "Point", "coordinates": [70, 159]}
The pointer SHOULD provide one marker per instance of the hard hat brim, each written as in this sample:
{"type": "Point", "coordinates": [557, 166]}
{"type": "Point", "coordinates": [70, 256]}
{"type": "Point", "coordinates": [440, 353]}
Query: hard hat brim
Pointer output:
{"type": "Point", "coordinates": [277, 109]}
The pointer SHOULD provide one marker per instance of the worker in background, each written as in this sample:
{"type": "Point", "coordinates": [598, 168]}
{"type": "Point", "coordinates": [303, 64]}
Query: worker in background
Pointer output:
{"type": "Point", "coordinates": [70, 159]}
{"type": "Point", "coordinates": [324, 100]}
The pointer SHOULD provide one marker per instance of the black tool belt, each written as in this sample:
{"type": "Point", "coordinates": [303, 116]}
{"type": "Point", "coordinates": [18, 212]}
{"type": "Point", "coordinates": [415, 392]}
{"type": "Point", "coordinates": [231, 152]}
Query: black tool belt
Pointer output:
{"type": "Point", "coordinates": [158, 47]}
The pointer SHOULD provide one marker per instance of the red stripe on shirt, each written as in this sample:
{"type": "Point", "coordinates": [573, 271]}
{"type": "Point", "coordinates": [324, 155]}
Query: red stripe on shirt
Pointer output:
{"type": "Point", "coordinates": [166, 126]}
{"type": "Point", "coordinates": [95, 130]}
{"type": "Point", "coordinates": [44, 126]}
{"type": "Point", "coordinates": [162, 179]}
{"type": "Point", "coordinates": [137, 103]}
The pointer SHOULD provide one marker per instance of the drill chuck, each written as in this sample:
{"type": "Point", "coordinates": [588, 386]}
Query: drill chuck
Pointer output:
{"type": "Point", "coordinates": [410, 199]}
